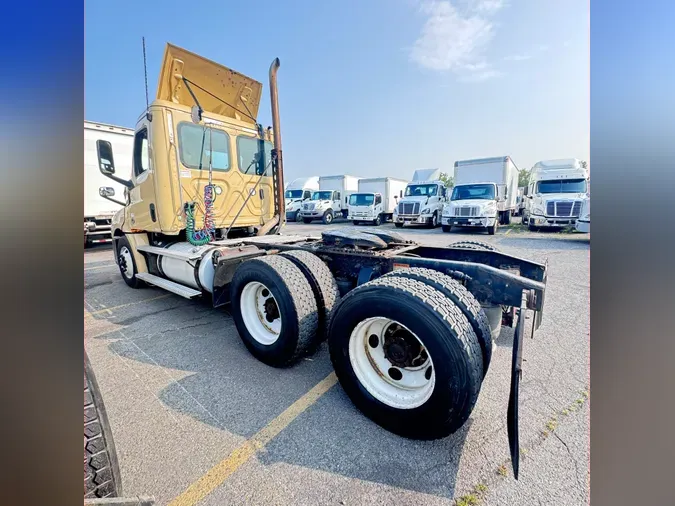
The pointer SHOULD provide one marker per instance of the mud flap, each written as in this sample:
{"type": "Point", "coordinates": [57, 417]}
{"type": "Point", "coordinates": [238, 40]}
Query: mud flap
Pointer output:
{"type": "Point", "coordinates": [516, 373]}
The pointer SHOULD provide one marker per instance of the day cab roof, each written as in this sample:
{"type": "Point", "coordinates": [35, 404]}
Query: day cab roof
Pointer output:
{"type": "Point", "coordinates": [220, 91]}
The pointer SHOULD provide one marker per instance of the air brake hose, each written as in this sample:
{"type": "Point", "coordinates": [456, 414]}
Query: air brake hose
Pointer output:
{"type": "Point", "coordinates": [206, 234]}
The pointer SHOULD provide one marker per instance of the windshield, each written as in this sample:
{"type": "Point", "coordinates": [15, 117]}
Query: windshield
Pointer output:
{"type": "Point", "coordinates": [565, 186]}
{"type": "Point", "coordinates": [322, 195]}
{"type": "Point", "coordinates": [421, 190]}
{"type": "Point", "coordinates": [361, 199]}
{"type": "Point", "coordinates": [293, 194]}
{"type": "Point", "coordinates": [473, 191]}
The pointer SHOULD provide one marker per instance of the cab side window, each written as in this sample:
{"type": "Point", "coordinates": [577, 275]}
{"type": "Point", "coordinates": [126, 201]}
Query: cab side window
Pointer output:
{"type": "Point", "coordinates": [336, 195]}
{"type": "Point", "coordinates": [141, 157]}
{"type": "Point", "coordinates": [306, 195]}
{"type": "Point", "coordinates": [378, 199]}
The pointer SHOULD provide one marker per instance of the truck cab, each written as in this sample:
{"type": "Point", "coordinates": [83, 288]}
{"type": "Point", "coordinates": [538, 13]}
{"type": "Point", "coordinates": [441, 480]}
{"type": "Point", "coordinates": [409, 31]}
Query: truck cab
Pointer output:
{"type": "Point", "coordinates": [422, 201]}
{"type": "Point", "coordinates": [324, 205]}
{"type": "Point", "coordinates": [365, 207]}
{"type": "Point", "coordinates": [331, 200]}
{"type": "Point", "coordinates": [555, 193]}
{"type": "Point", "coordinates": [298, 191]}
{"type": "Point", "coordinates": [473, 205]}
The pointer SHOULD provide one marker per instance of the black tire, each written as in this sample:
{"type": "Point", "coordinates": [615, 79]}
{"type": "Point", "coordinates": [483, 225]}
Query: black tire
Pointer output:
{"type": "Point", "coordinates": [377, 221]}
{"type": "Point", "coordinates": [307, 220]}
{"type": "Point", "coordinates": [298, 217]}
{"type": "Point", "coordinates": [327, 217]}
{"type": "Point", "coordinates": [296, 305]}
{"type": "Point", "coordinates": [532, 228]}
{"type": "Point", "coordinates": [446, 228]}
{"type": "Point", "coordinates": [462, 298]}
{"type": "Point", "coordinates": [473, 245]}
{"type": "Point", "coordinates": [524, 219]}
{"type": "Point", "coordinates": [493, 229]}
{"type": "Point", "coordinates": [324, 286]}
{"type": "Point", "coordinates": [125, 270]}
{"type": "Point", "coordinates": [398, 225]}
{"type": "Point", "coordinates": [357, 223]}
{"type": "Point", "coordinates": [445, 333]}
{"type": "Point", "coordinates": [102, 476]}
{"type": "Point", "coordinates": [433, 223]}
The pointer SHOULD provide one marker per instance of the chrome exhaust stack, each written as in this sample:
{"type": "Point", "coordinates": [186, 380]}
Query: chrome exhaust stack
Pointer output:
{"type": "Point", "coordinates": [276, 131]}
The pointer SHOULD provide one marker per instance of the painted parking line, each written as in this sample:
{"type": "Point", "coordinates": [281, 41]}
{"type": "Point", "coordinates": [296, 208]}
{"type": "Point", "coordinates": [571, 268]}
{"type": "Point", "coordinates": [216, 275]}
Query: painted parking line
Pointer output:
{"type": "Point", "coordinates": [99, 267]}
{"type": "Point", "coordinates": [508, 231]}
{"type": "Point", "coordinates": [113, 308]}
{"type": "Point", "coordinates": [215, 476]}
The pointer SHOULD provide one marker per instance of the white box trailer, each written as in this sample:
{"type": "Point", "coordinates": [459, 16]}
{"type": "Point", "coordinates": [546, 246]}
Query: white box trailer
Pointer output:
{"type": "Point", "coordinates": [376, 199]}
{"type": "Point", "coordinates": [98, 211]}
{"type": "Point", "coordinates": [331, 200]}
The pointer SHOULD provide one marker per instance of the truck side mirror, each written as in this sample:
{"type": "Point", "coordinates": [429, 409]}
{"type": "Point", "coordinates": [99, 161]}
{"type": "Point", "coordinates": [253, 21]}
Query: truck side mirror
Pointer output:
{"type": "Point", "coordinates": [106, 191]}
{"type": "Point", "coordinates": [106, 163]}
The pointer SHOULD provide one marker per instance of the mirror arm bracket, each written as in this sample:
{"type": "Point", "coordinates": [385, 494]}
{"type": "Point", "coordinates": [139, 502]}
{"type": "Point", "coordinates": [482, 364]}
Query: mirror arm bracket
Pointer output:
{"type": "Point", "coordinates": [124, 182]}
{"type": "Point", "coordinates": [114, 200]}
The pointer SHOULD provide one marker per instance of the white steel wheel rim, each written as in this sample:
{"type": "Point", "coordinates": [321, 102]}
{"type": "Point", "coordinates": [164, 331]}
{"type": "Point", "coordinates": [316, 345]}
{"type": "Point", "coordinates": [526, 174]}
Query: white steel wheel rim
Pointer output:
{"type": "Point", "coordinates": [127, 265]}
{"type": "Point", "coordinates": [372, 367]}
{"type": "Point", "coordinates": [257, 309]}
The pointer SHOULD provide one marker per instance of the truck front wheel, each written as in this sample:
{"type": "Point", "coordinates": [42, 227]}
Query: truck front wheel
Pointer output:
{"type": "Point", "coordinates": [327, 217]}
{"type": "Point", "coordinates": [377, 221]}
{"type": "Point", "coordinates": [446, 228]}
{"type": "Point", "coordinates": [398, 225]}
{"type": "Point", "coordinates": [127, 264]}
{"type": "Point", "coordinates": [433, 223]}
{"type": "Point", "coordinates": [407, 357]}
{"type": "Point", "coordinates": [493, 229]}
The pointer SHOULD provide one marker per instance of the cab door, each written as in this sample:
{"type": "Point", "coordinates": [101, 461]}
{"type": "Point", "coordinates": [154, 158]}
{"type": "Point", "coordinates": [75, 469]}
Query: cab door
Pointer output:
{"type": "Point", "coordinates": [142, 210]}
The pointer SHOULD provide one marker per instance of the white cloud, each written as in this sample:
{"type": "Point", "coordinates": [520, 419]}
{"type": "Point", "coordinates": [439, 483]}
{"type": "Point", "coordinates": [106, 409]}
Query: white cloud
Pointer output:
{"type": "Point", "coordinates": [486, 6]}
{"type": "Point", "coordinates": [456, 41]}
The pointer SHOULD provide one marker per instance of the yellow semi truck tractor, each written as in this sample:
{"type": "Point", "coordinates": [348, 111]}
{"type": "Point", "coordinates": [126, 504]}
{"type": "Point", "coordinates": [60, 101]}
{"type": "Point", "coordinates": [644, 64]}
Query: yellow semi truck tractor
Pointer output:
{"type": "Point", "coordinates": [410, 328]}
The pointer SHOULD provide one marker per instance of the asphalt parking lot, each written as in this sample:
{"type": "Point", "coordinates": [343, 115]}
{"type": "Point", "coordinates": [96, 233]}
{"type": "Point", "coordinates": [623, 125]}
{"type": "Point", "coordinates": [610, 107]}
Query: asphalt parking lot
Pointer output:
{"type": "Point", "coordinates": [197, 420]}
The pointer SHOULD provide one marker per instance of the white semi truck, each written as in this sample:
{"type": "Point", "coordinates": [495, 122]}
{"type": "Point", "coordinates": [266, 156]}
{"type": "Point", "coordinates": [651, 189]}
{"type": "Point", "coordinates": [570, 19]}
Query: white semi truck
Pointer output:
{"type": "Point", "coordinates": [584, 222]}
{"type": "Point", "coordinates": [296, 192]}
{"type": "Point", "coordinates": [422, 201]}
{"type": "Point", "coordinates": [555, 193]}
{"type": "Point", "coordinates": [99, 207]}
{"type": "Point", "coordinates": [485, 194]}
{"type": "Point", "coordinates": [375, 200]}
{"type": "Point", "coordinates": [331, 200]}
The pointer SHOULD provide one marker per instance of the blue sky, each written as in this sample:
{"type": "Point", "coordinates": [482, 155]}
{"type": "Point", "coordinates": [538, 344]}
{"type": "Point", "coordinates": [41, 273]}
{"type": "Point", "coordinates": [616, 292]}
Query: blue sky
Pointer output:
{"type": "Point", "coordinates": [371, 87]}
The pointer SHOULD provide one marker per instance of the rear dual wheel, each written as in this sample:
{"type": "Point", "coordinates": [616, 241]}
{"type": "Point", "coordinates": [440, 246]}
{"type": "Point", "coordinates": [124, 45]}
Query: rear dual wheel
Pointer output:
{"type": "Point", "coordinates": [282, 304]}
{"type": "Point", "coordinates": [407, 356]}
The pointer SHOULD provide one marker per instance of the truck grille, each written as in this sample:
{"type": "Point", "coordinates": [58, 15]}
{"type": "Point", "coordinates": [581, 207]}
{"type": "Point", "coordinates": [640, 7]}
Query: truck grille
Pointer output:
{"type": "Point", "coordinates": [563, 209]}
{"type": "Point", "coordinates": [308, 207]}
{"type": "Point", "coordinates": [409, 208]}
{"type": "Point", "coordinates": [466, 211]}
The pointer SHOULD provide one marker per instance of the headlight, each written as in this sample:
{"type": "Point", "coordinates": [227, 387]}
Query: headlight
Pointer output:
{"type": "Point", "coordinates": [538, 209]}
{"type": "Point", "coordinates": [425, 210]}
